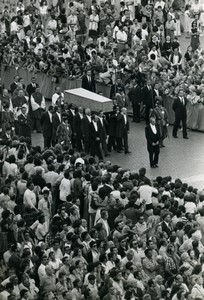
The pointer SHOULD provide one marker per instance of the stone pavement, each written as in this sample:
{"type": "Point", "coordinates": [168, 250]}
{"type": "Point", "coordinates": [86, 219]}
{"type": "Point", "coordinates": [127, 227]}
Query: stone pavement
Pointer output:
{"type": "Point", "coordinates": [180, 158]}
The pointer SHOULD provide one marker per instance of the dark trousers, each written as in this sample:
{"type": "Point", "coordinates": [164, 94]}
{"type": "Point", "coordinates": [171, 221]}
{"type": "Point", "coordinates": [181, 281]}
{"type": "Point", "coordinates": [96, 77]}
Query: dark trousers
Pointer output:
{"type": "Point", "coordinates": [147, 111]}
{"type": "Point", "coordinates": [154, 155]}
{"type": "Point", "coordinates": [119, 143]}
{"type": "Point", "coordinates": [96, 150]}
{"type": "Point", "coordinates": [136, 112]}
{"type": "Point", "coordinates": [125, 141]}
{"type": "Point", "coordinates": [78, 143]}
{"type": "Point", "coordinates": [47, 141]}
{"type": "Point", "coordinates": [177, 122]}
{"type": "Point", "coordinates": [87, 144]}
{"type": "Point", "coordinates": [36, 125]}
{"type": "Point", "coordinates": [111, 143]}
{"type": "Point", "coordinates": [104, 146]}
{"type": "Point", "coordinates": [73, 142]}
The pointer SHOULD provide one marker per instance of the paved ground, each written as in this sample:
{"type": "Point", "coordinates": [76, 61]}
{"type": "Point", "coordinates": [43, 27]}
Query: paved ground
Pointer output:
{"type": "Point", "coordinates": [180, 158]}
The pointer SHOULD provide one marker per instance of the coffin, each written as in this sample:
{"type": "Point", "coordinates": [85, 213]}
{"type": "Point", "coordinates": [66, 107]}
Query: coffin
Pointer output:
{"type": "Point", "coordinates": [87, 99]}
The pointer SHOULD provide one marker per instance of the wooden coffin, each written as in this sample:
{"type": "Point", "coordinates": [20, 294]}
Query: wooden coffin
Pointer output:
{"type": "Point", "coordinates": [87, 99]}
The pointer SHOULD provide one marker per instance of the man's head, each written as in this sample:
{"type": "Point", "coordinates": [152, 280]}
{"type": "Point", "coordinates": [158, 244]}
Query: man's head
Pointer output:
{"type": "Point", "coordinates": [152, 120]}
{"type": "Point", "coordinates": [20, 93]}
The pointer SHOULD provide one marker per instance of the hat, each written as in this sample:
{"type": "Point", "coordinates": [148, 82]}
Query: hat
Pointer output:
{"type": "Point", "coordinates": [45, 190]}
{"type": "Point", "coordinates": [79, 160]}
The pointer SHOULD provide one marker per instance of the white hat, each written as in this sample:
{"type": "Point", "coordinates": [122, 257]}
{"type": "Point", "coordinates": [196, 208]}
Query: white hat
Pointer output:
{"type": "Point", "coordinates": [45, 189]}
{"type": "Point", "coordinates": [79, 160]}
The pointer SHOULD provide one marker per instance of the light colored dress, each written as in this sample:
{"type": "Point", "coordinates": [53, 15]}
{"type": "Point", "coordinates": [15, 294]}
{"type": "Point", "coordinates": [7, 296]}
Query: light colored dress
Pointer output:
{"type": "Point", "coordinates": [187, 21]}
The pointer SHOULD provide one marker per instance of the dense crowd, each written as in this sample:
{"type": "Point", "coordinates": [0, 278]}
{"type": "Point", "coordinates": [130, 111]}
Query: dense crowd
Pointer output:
{"type": "Point", "coordinates": [72, 225]}
{"type": "Point", "coordinates": [72, 228]}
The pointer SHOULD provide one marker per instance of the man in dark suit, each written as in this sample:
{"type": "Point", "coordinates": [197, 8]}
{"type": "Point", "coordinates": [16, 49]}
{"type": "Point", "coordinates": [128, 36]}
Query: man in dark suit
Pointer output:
{"type": "Point", "coordinates": [30, 89]}
{"type": "Point", "coordinates": [112, 121]}
{"type": "Point", "coordinates": [56, 121]}
{"type": "Point", "coordinates": [14, 84]}
{"type": "Point", "coordinates": [103, 125]}
{"type": "Point", "coordinates": [179, 107]}
{"type": "Point", "coordinates": [46, 123]}
{"type": "Point", "coordinates": [95, 141]}
{"type": "Point", "coordinates": [88, 82]}
{"type": "Point", "coordinates": [152, 137]}
{"type": "Point", "coordinates": [122, 130]}
{"type": "Point", "coordinates": [135, 97]}
{"type": "Point", "coordinates": [85, 129]}
{"type": "Point", "coordinates": [71, 113]}
{"type": "Point", "coordinates": [77, 128]}
{"type": "Point", "coordinates": [166, 224]}
{"type": "Point", "coordinates": [24, 122]}
{"type": "Point", "coordinates": [156, 91]}
{"type": "Point", "coordinates": [148, 99]}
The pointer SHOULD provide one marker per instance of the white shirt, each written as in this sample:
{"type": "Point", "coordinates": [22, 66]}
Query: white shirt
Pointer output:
{"type": "Point", "coordinates": [72, 111]}
{"type": "Point", "coordinates": [95, 126]}
{"type": "Point", "coordinates": [59, 116]}
{"type": "Point", "coordinates": [29, 198]}
{"type": "Point", "coordinates": [81, 116]}
{"type": "Point", "coordinates": [4, 295]}
{"type": "Point", "coordinates": [182, 100]}
{"type": "Point", "coordinates": [26, 20]}
{"type": "Point", "coordinates": [153, 127]}
{"type": "Point", "coordinates": [159, 3]}
{"type": "Point", "coordinates": [65, 189]}
{"type": "Point", "coordinates": [50, 116]}
{"type": "Point", "coordinates": [121, 37]}
{"type": "Point", "coordinates": [55, 98]}
{"type": "Point", "coordinates": [41, 231]}
{"type": "Point", "coordinates": [146, 191]}
{"type": "Point", "coordinates": [41, 271]}
{"type": "Point", "coordinates": [89, 118]}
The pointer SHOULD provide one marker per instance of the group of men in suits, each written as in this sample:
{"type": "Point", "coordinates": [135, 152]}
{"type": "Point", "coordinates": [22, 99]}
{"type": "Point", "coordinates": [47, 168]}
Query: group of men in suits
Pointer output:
{"type": "Point", "coordinates": [152, 132]}
{"type": "Point", "coordinates": [89, 131]}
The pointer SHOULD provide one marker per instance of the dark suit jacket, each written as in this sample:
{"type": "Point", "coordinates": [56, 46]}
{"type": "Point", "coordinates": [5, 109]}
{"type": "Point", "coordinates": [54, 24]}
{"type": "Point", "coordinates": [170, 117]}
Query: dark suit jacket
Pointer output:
{"type": "Point", "coordinates": [30, 89]}
{"type": "Point", "coordinates": [148, 96]}
{"type": "Point", "coordinates": [55, 123]}
{"type": "Point", "coordinates": [151, 137]}
{"type": "Point", "coordinates": [155, 94]}
{"type": "Point", "coordinates": [94, 134]}
{"type": "Point", "coordinates": [166, 228]}
{"type": "Point", "coordinates": [85, 127]}
{"type": "Point", "coordinates": [13, 86]}
{"type": "Point", "coordinates": [112, 121]}
{"type": "Point", "coordinates": [121, 127]}
{"type": "Point", "coordinates": [77, 125]}
{"type": "Point", "coordinates": [179, 108]}
{"type": "Point", "coordinates": [135, 95]}
{"type": "Point", "coordinates": [90, 86]}
{"type": "Point", "coordinates": [70, 118]}
{"type": "Point", "coordinates": [46, 125]}
{"type": "Point", "coordinates": [103, 129]}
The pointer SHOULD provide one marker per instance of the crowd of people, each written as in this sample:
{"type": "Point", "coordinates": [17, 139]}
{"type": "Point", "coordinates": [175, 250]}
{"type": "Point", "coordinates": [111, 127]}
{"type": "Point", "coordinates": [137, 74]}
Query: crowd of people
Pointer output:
{"type": "Point", "coordinates": [75, 228]}
{"type": "Point", "coordinates": [72, 225]}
